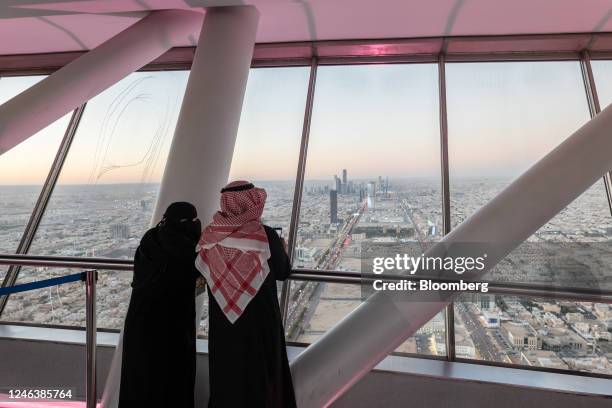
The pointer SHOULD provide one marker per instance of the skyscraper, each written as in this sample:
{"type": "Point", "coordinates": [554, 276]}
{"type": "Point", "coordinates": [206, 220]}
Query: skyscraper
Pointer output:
{"type": "Point", "coordinates": [371, 191]}
{"type": "Point", "coordinates": [333, 206]}
{"type": "Point", "coordinates": [344, 177]}
{"type": "Point", "coordinates": [338, 184]}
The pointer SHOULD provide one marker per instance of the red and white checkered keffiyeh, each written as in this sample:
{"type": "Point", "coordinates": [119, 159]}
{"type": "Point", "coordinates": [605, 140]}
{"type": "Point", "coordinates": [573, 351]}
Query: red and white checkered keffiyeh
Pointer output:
{"type": "Point", "coordinates": [233, 249]}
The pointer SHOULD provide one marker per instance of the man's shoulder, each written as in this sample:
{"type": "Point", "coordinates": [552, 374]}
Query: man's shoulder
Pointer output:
{"type": "Point", "coordinates": [270, 232]}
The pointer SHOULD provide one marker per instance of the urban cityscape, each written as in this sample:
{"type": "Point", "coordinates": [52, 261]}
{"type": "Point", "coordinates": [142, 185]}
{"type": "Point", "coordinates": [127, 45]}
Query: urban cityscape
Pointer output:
{"type": "Point", "coordinates": [337, 217]}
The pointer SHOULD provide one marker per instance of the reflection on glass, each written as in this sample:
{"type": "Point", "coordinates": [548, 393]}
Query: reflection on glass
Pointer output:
{"type": "Point", "coordinates": [541, 333]}
{"type": "Point", "coordinates": [20, 179]}
{"type": "Point", "coordinates": [104, 198]}
{"type": "Point", "coordinates": [268, 142]}
{"type": "Point", "coordinates": [503, 117]}
{"type": "Point", "coordinates": [372, 175]}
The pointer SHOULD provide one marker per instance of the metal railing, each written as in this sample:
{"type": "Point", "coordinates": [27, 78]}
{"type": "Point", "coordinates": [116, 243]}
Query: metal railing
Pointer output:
{"type": "Point", "coordinates": [328, 276]}
{"type": "Point", "coordinates": [89, 277]}
{"type": "Point", "coordinates": [90, 339]}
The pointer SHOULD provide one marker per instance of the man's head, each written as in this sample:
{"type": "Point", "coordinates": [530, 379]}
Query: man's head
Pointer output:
{"type": "Point", "coordinates": [242, 197]}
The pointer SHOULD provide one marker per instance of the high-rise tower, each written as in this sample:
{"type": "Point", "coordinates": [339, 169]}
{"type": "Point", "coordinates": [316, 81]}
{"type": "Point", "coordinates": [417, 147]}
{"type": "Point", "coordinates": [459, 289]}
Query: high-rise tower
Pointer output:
{"type": "Point", "coordinates": [333, 206]}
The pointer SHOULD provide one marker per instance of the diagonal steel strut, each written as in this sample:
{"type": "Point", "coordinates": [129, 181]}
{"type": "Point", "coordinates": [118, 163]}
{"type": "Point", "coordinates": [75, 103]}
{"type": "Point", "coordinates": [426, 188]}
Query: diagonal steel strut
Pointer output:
{"type": "Point", "coordinates": [330, 366]}
{"type": "Point", "coordinates": [90, 74]}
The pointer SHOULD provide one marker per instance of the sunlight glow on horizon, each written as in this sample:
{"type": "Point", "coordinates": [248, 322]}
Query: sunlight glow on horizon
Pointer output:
{"type": "Point", "coordinates": [372, 120]}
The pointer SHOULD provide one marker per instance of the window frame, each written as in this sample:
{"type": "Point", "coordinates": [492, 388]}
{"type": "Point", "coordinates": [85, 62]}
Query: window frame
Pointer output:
{"type": "Point", "coordinates": [324, 53]}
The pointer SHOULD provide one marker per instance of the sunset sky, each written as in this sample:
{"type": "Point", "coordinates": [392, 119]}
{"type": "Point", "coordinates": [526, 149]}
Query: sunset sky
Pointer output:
{"type": "Point", "coordinates": [371, 120]}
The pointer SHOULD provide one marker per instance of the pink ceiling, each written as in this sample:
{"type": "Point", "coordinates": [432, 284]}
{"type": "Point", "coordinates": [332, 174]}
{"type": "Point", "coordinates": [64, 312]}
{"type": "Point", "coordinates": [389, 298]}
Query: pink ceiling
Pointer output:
{"type": "Point", "coordinates": [38, 26]}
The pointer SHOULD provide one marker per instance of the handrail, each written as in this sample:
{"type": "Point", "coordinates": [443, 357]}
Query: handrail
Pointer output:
{"type": "Point", "coordinates": [89, 277]}
{"type": "Point", "coordinates": [67, 262]}
{"type": "Point", "coordinates": [91, 342]}
{"type": "Point", "coordinates": [328, 276]}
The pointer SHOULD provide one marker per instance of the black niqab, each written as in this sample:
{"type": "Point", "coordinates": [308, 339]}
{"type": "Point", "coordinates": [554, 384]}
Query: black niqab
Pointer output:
{"type": "Point", "coordinates": [158, 362]}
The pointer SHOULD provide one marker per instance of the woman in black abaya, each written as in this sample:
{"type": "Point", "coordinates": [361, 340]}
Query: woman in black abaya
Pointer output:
{"type": "Point", "coordinates": [159, 356]}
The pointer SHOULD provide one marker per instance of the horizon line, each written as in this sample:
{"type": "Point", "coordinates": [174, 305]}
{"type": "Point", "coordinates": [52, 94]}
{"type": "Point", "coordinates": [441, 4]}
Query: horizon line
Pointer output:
{"type": "Point", "coordinates": [262, 181]}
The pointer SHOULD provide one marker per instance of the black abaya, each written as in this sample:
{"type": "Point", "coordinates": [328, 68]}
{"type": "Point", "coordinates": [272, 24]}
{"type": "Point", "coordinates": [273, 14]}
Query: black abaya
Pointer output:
{"type": "Point", "coordinates": [248, 360]}
{"type": "Point", "coordinates": [159, 356]}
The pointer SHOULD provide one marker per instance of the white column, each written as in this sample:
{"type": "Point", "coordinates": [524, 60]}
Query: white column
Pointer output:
{"type": "Point", "coordinates": [203, 145]}
{"type": "Point", "coordinates": [328, 368]}
{"type": "Point", "coordinates": [93, 72]}
{"type": "Point", "coordinates": [201, 151]}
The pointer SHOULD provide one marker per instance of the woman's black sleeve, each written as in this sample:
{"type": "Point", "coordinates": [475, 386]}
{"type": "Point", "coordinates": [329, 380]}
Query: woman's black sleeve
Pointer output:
{"type": "Point", "coordinates": [279, 260]}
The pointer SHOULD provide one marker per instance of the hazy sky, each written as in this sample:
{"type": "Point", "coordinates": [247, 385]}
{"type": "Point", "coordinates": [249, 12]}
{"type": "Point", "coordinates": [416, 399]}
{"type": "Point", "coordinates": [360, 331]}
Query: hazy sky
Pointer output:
{"type": "Point", "coordinates": [29, 162]}
{"type": "Point", "coordinates": [372, 120]}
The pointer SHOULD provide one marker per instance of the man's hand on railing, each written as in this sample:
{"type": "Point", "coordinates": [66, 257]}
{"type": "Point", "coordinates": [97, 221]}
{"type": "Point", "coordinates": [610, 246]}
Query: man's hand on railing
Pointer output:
{"type": "Point", "coordinates": [200, 285]}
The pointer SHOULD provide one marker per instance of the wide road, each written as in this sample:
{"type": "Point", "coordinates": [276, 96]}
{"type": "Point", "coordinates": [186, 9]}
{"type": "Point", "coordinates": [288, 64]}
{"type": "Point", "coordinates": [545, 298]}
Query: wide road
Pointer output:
{"type": "Point", "coordinates": [301, 310]}
{"type": "Point", "coordinates": [485, 347]}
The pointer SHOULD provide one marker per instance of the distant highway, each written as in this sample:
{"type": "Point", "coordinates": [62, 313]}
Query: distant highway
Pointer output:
{"type": "Point", "coordinates": [421, 237]}
{"type": "Point", "coordinates": [484, 344]}
{"type": "Point", "coordinates": [333, 254]}
{"type": "Point", "coordinates": [308, 297]}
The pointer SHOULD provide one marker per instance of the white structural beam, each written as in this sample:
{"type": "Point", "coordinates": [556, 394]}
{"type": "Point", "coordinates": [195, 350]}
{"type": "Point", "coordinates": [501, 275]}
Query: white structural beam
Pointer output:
{"type": "Point", "coordinates": [93, 72]}
{"type": "Point", "coordinates": [329, 367]}
{"type": "Point", "coordinates": [201, 153]}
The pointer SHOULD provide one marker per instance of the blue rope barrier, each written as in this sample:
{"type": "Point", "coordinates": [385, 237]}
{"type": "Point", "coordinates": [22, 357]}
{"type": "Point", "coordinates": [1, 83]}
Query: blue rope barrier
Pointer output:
{"type": "Point", "coordinates": [42, 283]}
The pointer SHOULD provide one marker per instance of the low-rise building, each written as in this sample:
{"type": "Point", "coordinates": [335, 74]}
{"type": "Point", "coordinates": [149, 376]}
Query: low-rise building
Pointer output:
{"type": "Point", "coordinates": [543, 358]}
{"type": "Point", "coordinates": [464, 346]}
{"type": "Point", "coordinates": [563, 339]}
{"type": "Point", "coordinates": [521, 336]}
{"type": "Point", "coordinates": [491, 319]}
{"type": "Point", "coordinates": [574, 317]}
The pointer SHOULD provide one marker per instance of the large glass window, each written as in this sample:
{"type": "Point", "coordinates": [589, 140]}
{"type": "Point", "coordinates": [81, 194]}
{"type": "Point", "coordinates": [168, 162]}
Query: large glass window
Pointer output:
{"type": "Point", "coordinates": [104, 198]}
{"type": "Point", "coordinates": [502, 118]}
{"type": "Point", "coordinates": [268, 141]}
{"type": "Point", "coordinates": [20, 179]}
{"type": "Point", "coordinates": [372, 176]}
{"type": "Point", "coordinates": [373, 162]}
